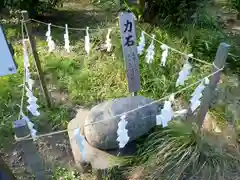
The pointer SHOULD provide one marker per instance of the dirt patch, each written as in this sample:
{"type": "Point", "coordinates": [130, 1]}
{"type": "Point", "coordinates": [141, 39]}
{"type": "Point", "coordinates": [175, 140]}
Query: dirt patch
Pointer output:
{"type": "Point", "coordinates": [55, 151]}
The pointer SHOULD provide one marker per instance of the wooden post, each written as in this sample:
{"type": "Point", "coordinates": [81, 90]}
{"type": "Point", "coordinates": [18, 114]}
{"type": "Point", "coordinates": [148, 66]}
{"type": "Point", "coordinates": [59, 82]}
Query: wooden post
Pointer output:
{"type": "Point", "coordinates": [31, 155]}
{"type": "Point", "coordinates": [36, 58]}
{"type": "Point", "coordinates": [218, 63]}
{"type": "Point", "coordinates": [5, 172]}
{"type": "Point", "coordinates": [129, 46]}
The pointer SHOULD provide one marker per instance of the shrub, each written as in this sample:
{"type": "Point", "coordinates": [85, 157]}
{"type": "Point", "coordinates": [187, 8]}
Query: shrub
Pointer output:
{"type": "Point", "coordinates": [34, 7]}
{"type": "Point", "coordinates": [173, 10]}
{"type": "Point", "coordinates": [181, 151]}
{"type": "Point", "coordinates": [236, 5]}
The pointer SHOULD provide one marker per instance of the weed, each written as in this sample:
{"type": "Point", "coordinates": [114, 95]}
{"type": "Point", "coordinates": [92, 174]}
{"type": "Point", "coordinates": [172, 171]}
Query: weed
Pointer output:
{"type": "Point", "coordinates": [186, 152]}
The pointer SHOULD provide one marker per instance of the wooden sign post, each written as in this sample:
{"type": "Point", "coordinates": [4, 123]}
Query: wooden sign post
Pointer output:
{"type": "Point", "coordinates": [7, 62]}
{"type": "Point", "coordinates": [128, 34]}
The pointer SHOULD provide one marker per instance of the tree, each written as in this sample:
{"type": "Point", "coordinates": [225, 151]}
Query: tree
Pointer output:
{"type": "Point", "coordinates": [236, 5]}
{"type": "Point", "coordinates": [34, 7]}
{"type": "Point", "coordinates": [174, 10]}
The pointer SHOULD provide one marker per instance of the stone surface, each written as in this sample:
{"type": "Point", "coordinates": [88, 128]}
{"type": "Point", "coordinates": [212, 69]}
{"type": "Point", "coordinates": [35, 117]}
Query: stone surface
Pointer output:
{"type": "Point", "coordinates": [97, 158]}
{"type": "Point", "coordinates": [101, 124]}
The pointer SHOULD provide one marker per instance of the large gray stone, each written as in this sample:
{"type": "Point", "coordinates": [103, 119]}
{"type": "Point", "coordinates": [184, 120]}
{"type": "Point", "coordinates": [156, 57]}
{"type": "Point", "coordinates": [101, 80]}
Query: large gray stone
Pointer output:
{"type": "Point", "coordinates": [101, 126]}
{"type": "Point", "coordinates": [98, 159]}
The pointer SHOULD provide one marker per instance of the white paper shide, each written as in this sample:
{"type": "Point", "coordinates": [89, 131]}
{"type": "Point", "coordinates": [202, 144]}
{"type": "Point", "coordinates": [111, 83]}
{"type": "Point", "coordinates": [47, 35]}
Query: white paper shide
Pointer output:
{"type": "Point", "coordinates": [87, 41]}
{"type": "Point", "coordinates": [185, 72]}
{"type": "Point", "coordinates": [80, 142]}
{"type": "Point", "coordinates": [28, 85]}
{"type": "Point", "coordinates": [66, 39]}
{"type": "Point", "coordinates": [141, 44]}
{"type": "Point", "coordinates": [108, 42]}
{"type": "Point", "coordinates": [164, 54]}
{"type": "Point", "coordinates": [122, 132]}
{"type": "Point", "coordinates": [51, 44]}
{"type": "Point", "coordinates": [197, 94]}
{"type": "Point", "coordinates": [32, 100]}
{"type": "Point", "coordinates": [166, 113]}
{"type": "Point", "coordinates": [150, 51]}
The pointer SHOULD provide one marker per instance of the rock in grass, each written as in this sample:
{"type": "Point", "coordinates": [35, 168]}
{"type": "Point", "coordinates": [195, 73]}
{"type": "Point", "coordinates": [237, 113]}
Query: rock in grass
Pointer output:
{"type": "Point", "coordinates": [103, 135]}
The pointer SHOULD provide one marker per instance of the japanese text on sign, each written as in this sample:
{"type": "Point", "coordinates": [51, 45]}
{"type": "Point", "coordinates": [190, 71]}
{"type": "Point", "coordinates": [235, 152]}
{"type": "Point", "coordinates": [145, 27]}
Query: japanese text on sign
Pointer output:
{"type": "Point", "coordinates": [128, 34]}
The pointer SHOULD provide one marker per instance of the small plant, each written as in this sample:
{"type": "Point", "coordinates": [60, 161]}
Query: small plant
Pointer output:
{"type": "Point", "coordinates": [64, 174]}
{"type": "Point", "coordinates": [172, 10]}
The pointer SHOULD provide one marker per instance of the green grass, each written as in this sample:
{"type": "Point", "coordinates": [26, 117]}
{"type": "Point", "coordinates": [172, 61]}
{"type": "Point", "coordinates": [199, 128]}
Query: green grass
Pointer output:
{"type": "Point", "coordinates": [64, 174]}
{"type": "Point", "coordinates": [186, 152]}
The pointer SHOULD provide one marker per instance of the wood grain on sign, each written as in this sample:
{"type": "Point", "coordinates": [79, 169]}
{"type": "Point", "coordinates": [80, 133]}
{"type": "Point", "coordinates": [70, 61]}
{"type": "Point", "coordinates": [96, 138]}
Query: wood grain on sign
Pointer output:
{"type": "Point", "coordinates": [128, 34]}
{"type": "Point", "coordinates": [7, 63]}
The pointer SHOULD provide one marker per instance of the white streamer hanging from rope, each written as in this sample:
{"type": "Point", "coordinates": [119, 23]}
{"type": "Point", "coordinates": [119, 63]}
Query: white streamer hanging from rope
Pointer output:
{"type": "Point", "coordinates": [66, 39]}
{"type": "Point", "coordinates": [51, 44]}
{"type": "Point", "coordinates": [108, 40]}
{"type": "Point", "coordinates": [141, 45]}
{"type": "Point", "coordinates": [26, 61]}
{"type": "Point", "coordinates": [165, 49]}
{"type": "Point", "coordinates": [197, 94]}
{"type": "Point", "coordinates": [185, 72]}
{"type": "Point", "coordinates": [150, 51]}
{"type": "Point", "coordinates": [32, 100]}
{"type": "Point", "coordinates": [32, 107]}
{"type": "Point", "coordinates": [122, 132]}
{"type": "Point", "coordinates": [166, 113]}
{"type": "Point", "coordinates": [80, 140]}
{"type": "Point", "coordinates": [87, 41]}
